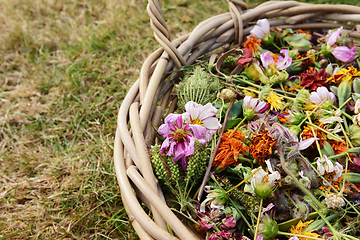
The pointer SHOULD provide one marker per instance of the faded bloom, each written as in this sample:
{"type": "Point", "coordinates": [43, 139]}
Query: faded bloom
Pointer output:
{"type": "Point", "coordinates": [313, 79]}
{"type": "Point", "coordinates": [284, 62]}
{"type": "Point", "coordinates": [321, 94]}
{"type": "Point", "coordinates": [261, 29]}
{"type": "Point", "coordinates": [332, 37]}
{"type": "Point", "coordinates": [218, 197]}
{"type": "Point", "coordinates": [179, 138]}
{"type": "Point", "coordinates": [334, 201]}
{"type": "Point", "coordinates": [267, 60]}
{"type": "Point", "coordinates": [199, 117]}
{"type": "Point", "coordinates": [263, 183]}
{"type": "Point", "coordinates": [247, 57]}
{"type": "Point", "coordinates": [328, 170]}
{"type": "Point", "coordinates": [344, 53]}
{"type": "Point", "coordinates": [253, 107]}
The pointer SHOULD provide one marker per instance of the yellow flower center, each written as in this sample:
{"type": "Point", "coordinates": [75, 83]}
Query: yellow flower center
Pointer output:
{"type": "Point", "coordinates": [180, 135]}
{"type": "Point", "coordinates": [197, 121]}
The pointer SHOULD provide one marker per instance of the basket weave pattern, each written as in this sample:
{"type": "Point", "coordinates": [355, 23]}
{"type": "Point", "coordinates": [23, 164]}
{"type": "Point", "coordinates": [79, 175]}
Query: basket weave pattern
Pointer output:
{"type": "Point", "coordinates": [140, 107]}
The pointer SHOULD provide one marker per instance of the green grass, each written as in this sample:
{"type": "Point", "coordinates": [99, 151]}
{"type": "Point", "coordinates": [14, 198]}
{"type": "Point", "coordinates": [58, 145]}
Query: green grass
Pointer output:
{"type": "Point", "coordinates": [65, 67]}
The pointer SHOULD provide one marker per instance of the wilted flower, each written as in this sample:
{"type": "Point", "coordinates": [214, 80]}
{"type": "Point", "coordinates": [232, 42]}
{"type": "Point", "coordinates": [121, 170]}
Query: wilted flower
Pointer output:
{"type": "Point", "coordinates": [179, 138]}
{"type": "Point", "coordinates": [261, 29]}
{"type": "Point", "coordinates": [199, 117]}
{"type": "Point", "coordinates": [328, 170]}
{"type": "Point", "coordinates": [321, 94]}
{"type": "Point", "coordinates": [332, 36]}
{"type": "Point", "coordinates": [283, 62]}
{"type": "Point", "coordinates": [263, 183]}
{"type": "Point", "coordinates": [344, 53]}
{"type": "Point", "coordinates": [312, 79]}
{"type": "Point", "coordinates": [344, 75]}
{"type": "Point", "coordinates": [300, 229]}
{"type": "Point", "coordinates": [334, 201]}
{"type": "Point", "coordinates": [217, 196]}
{"type": "Point", "coordinates": [247, 57]}
{"type": "Point", "coordinates": [252, 43]}
{"type": "Point", "coordinates": [228, 222]}
{"type": "Point", "coordinates": [253, 107]}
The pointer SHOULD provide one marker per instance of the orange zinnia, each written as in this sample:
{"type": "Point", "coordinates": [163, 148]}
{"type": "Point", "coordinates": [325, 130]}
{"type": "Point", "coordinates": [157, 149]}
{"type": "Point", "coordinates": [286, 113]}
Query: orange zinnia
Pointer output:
{"type": "Point", "coordinates": [261, 146]}
{"type": "Point", "coordinates": [339, 147]}
{"type": "Point", "coordinates": [252, 43]}
{"type": "Point", "coordinates": [229, 149]}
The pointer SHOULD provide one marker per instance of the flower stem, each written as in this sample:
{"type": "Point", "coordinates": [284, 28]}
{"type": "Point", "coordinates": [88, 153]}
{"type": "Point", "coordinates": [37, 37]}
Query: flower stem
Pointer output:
{"type": "Point", "coordinates": [237, 126]}
{"type": "Point", "coordinates": [346, 136]}
{"type": "Point", "coordinates": [325, 131]}
{"type": "Point", "coordinates": [207, 173]}
{"type": "Point", "coordinates": [300, 185]}
{"type": "Point", "coordinates": [311, 113]}
{"type": "Point", "coordinates": [316, 141]}
{"type": "Point", "coordinates": [247, 178]}
{"type": "Point", "coordinates": [258, 219]}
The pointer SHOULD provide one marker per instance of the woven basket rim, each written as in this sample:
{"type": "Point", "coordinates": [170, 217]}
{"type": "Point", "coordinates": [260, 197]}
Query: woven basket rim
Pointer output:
{"type": "Point", "coordinates": [139, 108]}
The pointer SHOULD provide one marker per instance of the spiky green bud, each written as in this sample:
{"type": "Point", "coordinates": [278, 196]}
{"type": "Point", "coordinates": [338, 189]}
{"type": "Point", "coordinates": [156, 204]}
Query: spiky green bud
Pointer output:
{"type": "Point", "coordinates": [158, 165]}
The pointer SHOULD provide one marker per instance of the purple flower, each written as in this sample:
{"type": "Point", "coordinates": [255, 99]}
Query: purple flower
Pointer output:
{"type": "Point", "coordinates": [199, 117]}
{"type": "Point", "coordinates": [283, 62]}
{"type": "Point", "coordinates": [253, 107]}
{"type": "Point", "coordinates": [205, 223]}
{"type": "Point", "coordinates": [259, 237]}
{"type": "Point", "coordinates": [332, 37]}
{"type": "Point", "coordinates": [228, 222]}
{"type": "Point", "coordinates": [344, 53]}
{"type": "Point", "coordinates": [261, 29]}
{"type": "Point", "coordinates": [179, 138]}
{"type": "Point", "coordinates": [224, 234]}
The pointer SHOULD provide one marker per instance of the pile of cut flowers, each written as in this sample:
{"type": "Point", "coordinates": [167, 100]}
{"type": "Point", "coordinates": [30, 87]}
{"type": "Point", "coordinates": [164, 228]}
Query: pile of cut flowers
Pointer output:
{"type": "Point", "coordinates": [265, 140]}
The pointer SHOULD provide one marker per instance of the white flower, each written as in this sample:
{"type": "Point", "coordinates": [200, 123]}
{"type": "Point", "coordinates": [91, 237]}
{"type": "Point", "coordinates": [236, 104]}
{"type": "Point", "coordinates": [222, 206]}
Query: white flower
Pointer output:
{"type": "Point", "coordinates": [261, 29]}
{"type": "Point", "coordinates": [326, 167]}
{"type": "Point", "coordinates": [357, 106]}
{"type": "Point", "coordinates": [322, 93]}
{"type": "Point", "coordinates": [199, 115]}
{"type": "Point", "coordinates": [334, 201]}
{"type": "Point", "coordinates": [262, 182]}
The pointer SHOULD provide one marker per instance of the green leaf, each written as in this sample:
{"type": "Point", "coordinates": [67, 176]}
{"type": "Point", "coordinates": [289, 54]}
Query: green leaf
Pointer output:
{"type": "Point", "coordinates": [236, 110]}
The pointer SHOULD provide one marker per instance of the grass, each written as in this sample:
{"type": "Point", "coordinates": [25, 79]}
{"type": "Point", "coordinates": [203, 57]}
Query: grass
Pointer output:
{"type": "Point", "coordinates": [65, 67]}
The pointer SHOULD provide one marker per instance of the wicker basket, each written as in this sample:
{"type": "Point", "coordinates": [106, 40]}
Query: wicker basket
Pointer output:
{"type": "Point", "coordinates": [140, 107]}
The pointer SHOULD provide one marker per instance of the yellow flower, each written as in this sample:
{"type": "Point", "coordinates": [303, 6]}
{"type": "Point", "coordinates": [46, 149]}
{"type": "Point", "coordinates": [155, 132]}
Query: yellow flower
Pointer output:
{"type": "Point", "coordinates": [344, 75]}
{"type": "Point", "coordinates": [275, 101]}
{"type": "Point", "coordinates": [299, 230]}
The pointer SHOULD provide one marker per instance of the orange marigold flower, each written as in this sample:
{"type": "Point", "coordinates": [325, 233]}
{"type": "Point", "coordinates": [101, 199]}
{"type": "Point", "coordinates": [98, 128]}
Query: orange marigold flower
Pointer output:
{"type": "Point", "coordinates": [303, 31]}
{"type": "Point", "coordinates": [307, 133]}
{"type": "Point", "coordinates": [252, 43]}
{"type": "Point", "coordinates": [261, 146]}
{"type": "Point", "coordinates": [339, 147]}
{"type": "Point", "coordinates": [230, 148]}
{"type": "Point", "coordinates": [275, 56]}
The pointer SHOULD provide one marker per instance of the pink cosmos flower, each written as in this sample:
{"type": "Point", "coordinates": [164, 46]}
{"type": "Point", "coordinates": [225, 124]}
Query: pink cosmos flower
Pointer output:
{"type": "Point", "coordinates": [199, 117]}
{"type": "Point", "coordinates": [283, 62]}
{"type": "Point", "coordinates": [332, 37]}
{"type": "Point", "coordinates": [253, 107]}
{"type": "Point", "coordinates": [261, 29]}
{"type": "Point", "coordinates": [180, 138]}
{"type": "Point", "coordinates": [325, 166]}
{"type": "Point", "coordinates": [344, 53]}
{"type": "Point", "coordinates": [267, 60]}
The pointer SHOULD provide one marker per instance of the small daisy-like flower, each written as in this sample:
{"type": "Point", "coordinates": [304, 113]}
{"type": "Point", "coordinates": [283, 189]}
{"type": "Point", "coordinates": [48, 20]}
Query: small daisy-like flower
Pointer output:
{"type": "Point", "coordinates": [199, 116]}
{"type": "Point", "coordinates": [334, 201]}
{"type": "Point", "coordinates": [263, 183]}
{"type": "Point", "coordinates": [330, 171]}
{"type": "Point", "coordinates": [275, 101]}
